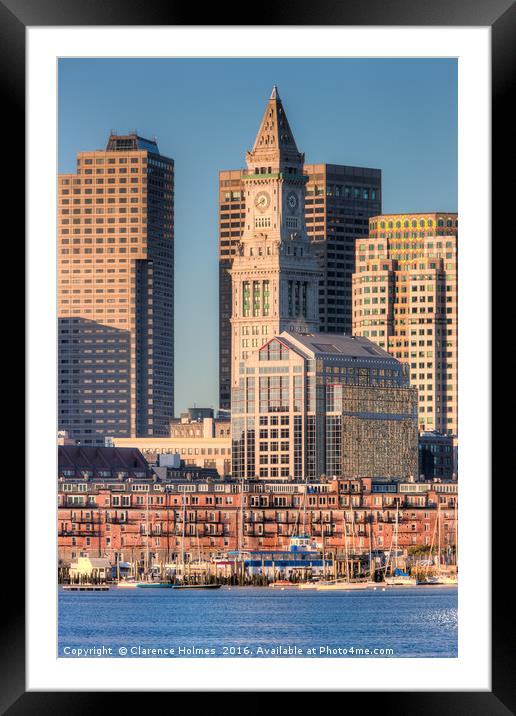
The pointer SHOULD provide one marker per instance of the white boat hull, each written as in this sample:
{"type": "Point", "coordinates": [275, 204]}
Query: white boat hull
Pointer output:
{"type": "Point", "coordinates": [308, 586]}
{"type": "Point", "coordinates": [345, 586]}
{"type": "Point", "coordinates": [439, 581]}
{"type": "Point", "coordinates": [400, 581]}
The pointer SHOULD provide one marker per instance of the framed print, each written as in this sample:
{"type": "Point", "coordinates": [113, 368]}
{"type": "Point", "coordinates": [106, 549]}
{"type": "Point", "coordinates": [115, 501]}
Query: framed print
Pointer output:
{"type": "Point", "coordinates": [263, 353]}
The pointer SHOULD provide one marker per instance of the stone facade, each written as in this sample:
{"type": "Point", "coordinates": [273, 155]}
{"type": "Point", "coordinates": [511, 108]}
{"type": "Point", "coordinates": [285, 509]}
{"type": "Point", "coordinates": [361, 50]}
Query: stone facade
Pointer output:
{"type": "Point", "coordinates": [274, 276]}
{"type": "Point", "coordinates": [338, 202]}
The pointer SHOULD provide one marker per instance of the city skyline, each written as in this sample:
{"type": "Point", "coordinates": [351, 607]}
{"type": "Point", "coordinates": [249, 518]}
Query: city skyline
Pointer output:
{"type": "Point", "coordinates": [413, 142]}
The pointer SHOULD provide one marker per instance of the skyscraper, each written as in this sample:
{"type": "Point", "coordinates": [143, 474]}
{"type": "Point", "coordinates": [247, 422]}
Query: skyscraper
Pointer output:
{"type": "Point", "coordinates": [116, 292]}
{"type": "Point", "coordinates": [274, 276]}
{"type": "Point", "coordinates": [338, 203]}
{"type": "Point", "coordinates": [405, 300]}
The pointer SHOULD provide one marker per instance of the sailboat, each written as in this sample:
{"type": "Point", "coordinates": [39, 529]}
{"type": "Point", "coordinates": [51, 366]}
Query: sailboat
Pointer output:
{"type": "Point", "coordinates": [347, 584]}
{"type": "Point", "coordinates": [148, 583]}
{"type": "Point", "coordinates": [307, 543]}
{"type": "Point", "coordinates": [187, 585]}
{"type": "Point", "coordinates": [399, 578]}
{"type": "Point", "coordinates": [441, 577]}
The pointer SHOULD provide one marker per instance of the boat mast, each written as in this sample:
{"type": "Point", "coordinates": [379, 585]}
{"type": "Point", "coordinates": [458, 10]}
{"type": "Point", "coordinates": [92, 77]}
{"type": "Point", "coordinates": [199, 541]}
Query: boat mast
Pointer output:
{"type": "Point", "coordinates": [353, 541]}
{"type": "Point", "coordinates": [304, 506]}
{"type": "Point", "coordinates": [346, 553]}
{"type": "Point", "coordinates": [396, 538]}
{"type": "Point", "coordinates": [456, 539]}
{"type": "Point", "coordinates": [183, 537]}
{"type": "Point", "coordinates": [323, 553]}
{"type": "Point", "coordinates": [432, 544]}
{"type": "Point", "coordinates": [439, 534]}
{"type": "Point", "coordinates": [147, 536]}
{"type": "Point", "coordinates": [241, 532]}
{"type": "Point", "coordinates": [370, 553]}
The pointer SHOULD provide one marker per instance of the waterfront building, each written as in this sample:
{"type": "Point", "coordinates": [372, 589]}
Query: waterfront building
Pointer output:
{"type": "Point", "coordinates": [405, 300]}
{"type": "Point", "coordinates": [91, 569]}
{"type": "Point", "coordinates": [202, 443]}
{"type": "Point", "coordinates": [308, 405]}
{"type": "Point", "coordinates": [338, 202]}
{"type": "Point", "coordinates": [274, 276]}
{"type": "Point", "coordinates": [109, 509]}
{"type": "Point", "coordinates": [437, 456]}
{"type": "Point", "coordinates": [116, 292]}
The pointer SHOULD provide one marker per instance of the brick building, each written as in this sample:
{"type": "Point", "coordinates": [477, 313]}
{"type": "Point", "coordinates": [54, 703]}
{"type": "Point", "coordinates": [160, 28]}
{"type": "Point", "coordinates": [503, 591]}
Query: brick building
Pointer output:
{"type": "Point", "coordinates": [111, 505]}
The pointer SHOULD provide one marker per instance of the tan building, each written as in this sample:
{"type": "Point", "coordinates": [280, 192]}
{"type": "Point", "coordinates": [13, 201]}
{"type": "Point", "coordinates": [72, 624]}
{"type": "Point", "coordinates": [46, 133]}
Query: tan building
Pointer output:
{"type": "Point", "coordinates": [205, 444]}
{"type": "Point", "coordinates": [338, 202]}
{"type": "Point", "coordinates": [274, 275]}
{"type": "Point", "coordinates": [405, 300]}
{"type": "Point", "coordinates": [116, 292]}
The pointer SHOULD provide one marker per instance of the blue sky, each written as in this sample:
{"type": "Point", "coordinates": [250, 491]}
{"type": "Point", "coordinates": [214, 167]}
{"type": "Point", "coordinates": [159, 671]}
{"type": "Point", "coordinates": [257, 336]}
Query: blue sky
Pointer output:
{"type": "Point", "coordinates": [399, 115]}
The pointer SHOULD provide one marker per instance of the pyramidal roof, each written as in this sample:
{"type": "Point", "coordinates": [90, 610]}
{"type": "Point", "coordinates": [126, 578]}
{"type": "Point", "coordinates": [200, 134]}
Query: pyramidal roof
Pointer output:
{"type": "Point", "coordinates": [275, 135]}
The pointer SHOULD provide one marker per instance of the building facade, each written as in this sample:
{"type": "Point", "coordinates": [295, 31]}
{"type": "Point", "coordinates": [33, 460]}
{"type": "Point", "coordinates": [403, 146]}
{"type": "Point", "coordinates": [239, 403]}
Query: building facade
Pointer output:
{"type": "Point", "coordinates": [437, 456]}
{"type": "Point", "coordinates": [113, 513]}
{"type": "Point", "coordinates": [405, 300]}
{"type": "Point", "coordinates": [205, 444]}
{"type": "Point", "coordinates": [338, 201]}
{"type": "Point", "coordinates": [116, 292]}
{"type": "Point", "coordinates": [313, 405]}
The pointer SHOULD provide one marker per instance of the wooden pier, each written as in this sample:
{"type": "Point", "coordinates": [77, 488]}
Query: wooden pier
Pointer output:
{"type": "Point", "coordinates": [86, 587]}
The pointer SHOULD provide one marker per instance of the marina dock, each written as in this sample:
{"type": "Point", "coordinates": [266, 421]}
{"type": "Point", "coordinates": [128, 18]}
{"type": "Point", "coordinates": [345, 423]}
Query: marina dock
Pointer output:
{"type": "Point", "coordinates": [86, 587]}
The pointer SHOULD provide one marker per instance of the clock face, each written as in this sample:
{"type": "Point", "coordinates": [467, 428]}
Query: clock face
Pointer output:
{"type": "Point", "coordinates": [262, 201]}
{"type": "Point", "coordinates": [292, 201]}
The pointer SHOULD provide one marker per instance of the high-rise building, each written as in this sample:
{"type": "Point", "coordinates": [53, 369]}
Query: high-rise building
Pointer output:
{"type": "Point", "coordinates": [338, 203]}
{"type": "Point", "coordinates": [116, 292]}
{"type": "Point", "coordinates": [274, 276]}
{"type": "Point", "coordinates": [318, 404]}
{"type": "Point", "coordinates": [405, 300]}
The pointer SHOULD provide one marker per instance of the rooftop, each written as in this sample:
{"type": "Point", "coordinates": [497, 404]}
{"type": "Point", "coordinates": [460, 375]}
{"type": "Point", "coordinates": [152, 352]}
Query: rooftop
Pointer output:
{"type": "Point", "coordinates": [131, 142]}
{"type": "Point", "coordinates": [78, 457]}
{"type": "Point", "coordinates": [321, 344]}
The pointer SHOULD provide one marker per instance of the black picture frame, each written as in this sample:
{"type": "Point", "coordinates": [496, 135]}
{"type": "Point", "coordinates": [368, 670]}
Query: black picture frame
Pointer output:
{"type": "Point", "coordinates": [500, 15]}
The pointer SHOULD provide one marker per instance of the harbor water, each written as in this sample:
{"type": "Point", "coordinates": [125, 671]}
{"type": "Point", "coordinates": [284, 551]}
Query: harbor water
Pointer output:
{"type": "Point", "coordinates": [258, 623]}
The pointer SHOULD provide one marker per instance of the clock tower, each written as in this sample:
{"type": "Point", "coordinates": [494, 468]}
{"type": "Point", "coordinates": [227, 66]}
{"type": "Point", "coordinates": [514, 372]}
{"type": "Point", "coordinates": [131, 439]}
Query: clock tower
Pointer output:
{"type": "Point", "coordinates": [275, 278]}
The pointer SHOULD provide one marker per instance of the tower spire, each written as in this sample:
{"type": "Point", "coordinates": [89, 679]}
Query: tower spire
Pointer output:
{"type": "Point", "coordinates": [275, 144]}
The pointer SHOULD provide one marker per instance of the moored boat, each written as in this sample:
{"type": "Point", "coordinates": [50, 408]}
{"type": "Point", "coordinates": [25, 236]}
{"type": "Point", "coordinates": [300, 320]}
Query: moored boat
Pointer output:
{"type": "Point", "coordinates": [400, 579]}
{"type": "Point", "coordinates": [439, 580]}
{"type": "Point", "coordinates": [308, 585]}
{"type": "Point", "coordinates": [196, 586]}
{"type": "Point", "coordinates": [124, 584]}
{"type": "Point", "coordinates": [283, 584]}
{"type": "Point", "coordinates": [154, 585]}
{"type": "Point", "coordinates": [344, 585]}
